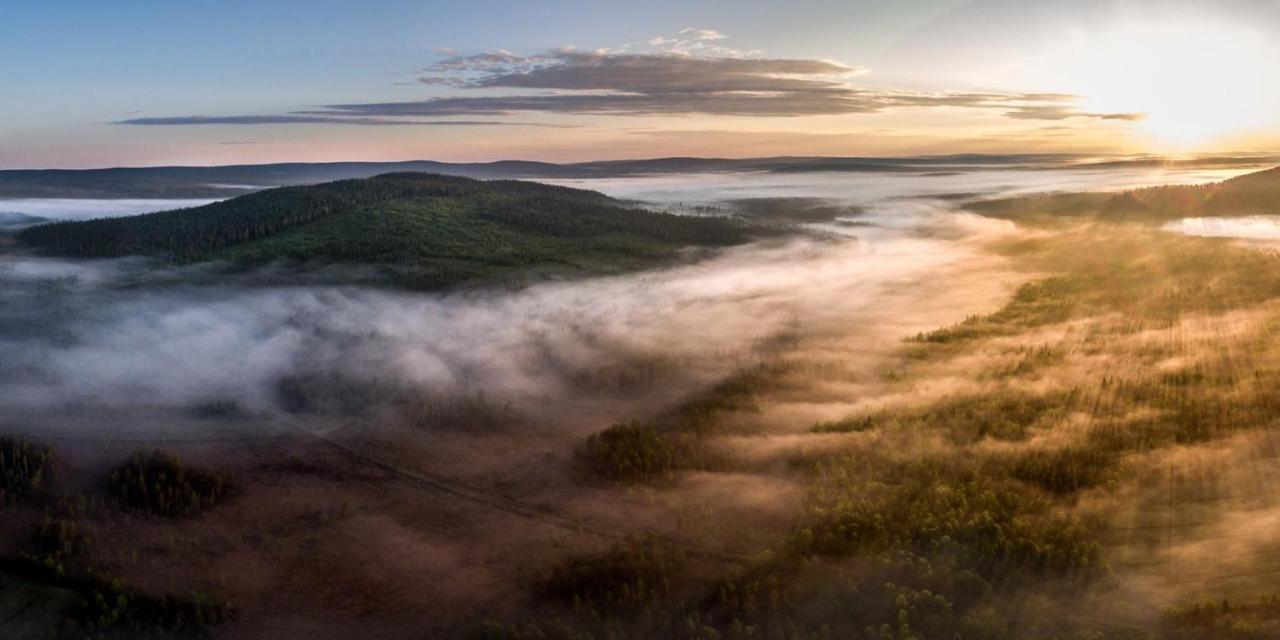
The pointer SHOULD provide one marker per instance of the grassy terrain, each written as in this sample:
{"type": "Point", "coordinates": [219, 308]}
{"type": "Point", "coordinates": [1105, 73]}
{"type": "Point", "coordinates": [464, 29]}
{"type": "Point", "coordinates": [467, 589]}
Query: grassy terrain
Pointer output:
{"type": "Point", "coordinates": [1092, 459]}
{"type": "Point", "coordinates": [51, 582]}
{"type": "Point", "coordinates": [984, 504]}
{"type": "Point", "coordinates": [96, 605]}
{"type": "Point", "coordinates": [1250, 194]}
{"type": "Point", "coordinates": [1023, 474]}
{"type": "Point", "coordinates": [675, 439]}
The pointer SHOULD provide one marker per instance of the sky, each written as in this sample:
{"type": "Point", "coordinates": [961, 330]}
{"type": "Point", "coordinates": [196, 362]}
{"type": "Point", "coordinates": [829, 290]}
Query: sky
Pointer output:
{"type": "Point", "coordinates": [137, 83]}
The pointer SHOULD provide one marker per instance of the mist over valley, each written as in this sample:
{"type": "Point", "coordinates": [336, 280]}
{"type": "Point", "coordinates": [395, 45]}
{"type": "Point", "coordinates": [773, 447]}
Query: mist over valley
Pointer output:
{"type": "Point", "coordinates": [409, 320]}
{"type": "Point", "coordinates": [710, 379]}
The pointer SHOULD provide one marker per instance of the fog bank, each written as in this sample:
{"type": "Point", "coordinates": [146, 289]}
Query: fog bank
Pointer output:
{"type": "Point", "coordinates": [120, 346]}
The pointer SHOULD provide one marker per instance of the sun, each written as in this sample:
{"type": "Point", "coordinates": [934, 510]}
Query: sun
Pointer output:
{"type": "Point", "coordinates": [1194, 82]}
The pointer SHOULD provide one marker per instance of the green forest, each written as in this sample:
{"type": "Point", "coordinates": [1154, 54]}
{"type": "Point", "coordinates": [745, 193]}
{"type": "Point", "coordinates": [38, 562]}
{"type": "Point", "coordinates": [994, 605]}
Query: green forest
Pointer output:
{"type": "Point", "coordinates": [423, 230]}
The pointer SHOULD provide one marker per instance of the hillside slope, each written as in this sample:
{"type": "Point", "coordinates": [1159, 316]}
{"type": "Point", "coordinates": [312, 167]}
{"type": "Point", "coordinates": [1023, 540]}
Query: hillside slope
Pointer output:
{"type": "Point", "coordinates": [1251, 194]}
{"type": "Point", "coordinates": [425, 230]}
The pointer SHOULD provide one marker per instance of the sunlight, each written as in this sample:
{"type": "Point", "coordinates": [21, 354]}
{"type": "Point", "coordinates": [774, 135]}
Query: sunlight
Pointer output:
{"type": "Point", "coordinates": [517, 320]}
{"type": "Point", "coordinates": [1194, 82]}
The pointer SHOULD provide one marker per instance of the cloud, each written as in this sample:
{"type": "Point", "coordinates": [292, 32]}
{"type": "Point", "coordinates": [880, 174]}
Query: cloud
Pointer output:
{"type": "Point", "coordinates": [304, 119]}
{"type": "Point", "coordinates": [658, 88]}
{"type": "Point", "coordinates": [702, 34]}
{"type": "Point", "coordinates": [642, 73]}
{"type": "Point", "coordinates": [98, 344]}
{"type": "Point", "coordinates": [763, 104]}
{"type": "Point", "coordinates": [682, 83]}
{"type": "Point", "coordinates": [691, 41]}
{"type": "Point", "coordinates": [689, 73]}
{"type": "Point", "coordinates": [1060, 112]}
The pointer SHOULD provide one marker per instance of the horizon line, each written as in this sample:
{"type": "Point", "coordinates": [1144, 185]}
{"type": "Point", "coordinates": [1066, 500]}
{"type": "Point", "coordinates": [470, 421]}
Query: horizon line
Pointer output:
{"type": "Point", "coordinates": [1236, 155]}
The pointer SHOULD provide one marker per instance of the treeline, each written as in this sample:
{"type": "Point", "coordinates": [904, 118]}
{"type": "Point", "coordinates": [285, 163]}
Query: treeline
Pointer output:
{"type": "Point", "coordinates": [59, 552]}
{"type": "Point", "coordinates": [1251, 194]}
{"type": "Point", "coordinates": [574, 218]}
{"type": "Point", "coordinates": [25, 469]}
{"type": "Point", "coordinates": [676, 438]}
{"type": "Point", "coordinates": [158, 483]}
{"type": "Point", "coordinates": [192, 234]}
{"type": "Point", "coordinates": [200, 233]}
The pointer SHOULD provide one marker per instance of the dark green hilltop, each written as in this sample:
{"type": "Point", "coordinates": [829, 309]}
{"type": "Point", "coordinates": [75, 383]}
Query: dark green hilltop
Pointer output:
{"type": "Point", "coordinates": [419, 230]}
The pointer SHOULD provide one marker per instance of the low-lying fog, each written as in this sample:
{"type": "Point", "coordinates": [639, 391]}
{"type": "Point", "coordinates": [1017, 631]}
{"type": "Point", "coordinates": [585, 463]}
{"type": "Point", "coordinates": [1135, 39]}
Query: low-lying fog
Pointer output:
{"type": "Point", "coordinates": [59, 209]}
{"type": "Point", "coordinates": [132, 348]}
{"type": "Point", "coordinates": [1247, 227]}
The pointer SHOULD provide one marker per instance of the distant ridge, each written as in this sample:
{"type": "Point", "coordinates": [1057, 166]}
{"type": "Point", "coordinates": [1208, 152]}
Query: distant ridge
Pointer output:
{"type": "Point", "coordinates": [232, 180]}
{"type": "Point", "coordinates": [1250, 194]}
{"type": "Point", "coordinates": [11, 220]}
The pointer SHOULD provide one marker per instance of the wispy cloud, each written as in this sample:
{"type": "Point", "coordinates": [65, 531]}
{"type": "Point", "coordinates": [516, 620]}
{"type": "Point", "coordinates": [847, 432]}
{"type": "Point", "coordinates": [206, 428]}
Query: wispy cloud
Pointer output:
{"type": "Point", "coordinates": [638, 73]}
{"type": "Point", "coordinates": [682, 75]}
{"type": "Point", "coordinates": [1061, 112]}
{"type": "Point", "coordinates": [310, 119]}
{"type": "Point", "coordinates": [694, 41]}
{"type": "Point", "coordinates": [689, 73]}
{"type": "Point", "coordinates": [663, 84]}
{"type": "Point", "coordinates": [789, 103]}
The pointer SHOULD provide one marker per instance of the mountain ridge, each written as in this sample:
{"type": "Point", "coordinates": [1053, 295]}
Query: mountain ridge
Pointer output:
{"type": "Point", "coordinates": [179, 181]}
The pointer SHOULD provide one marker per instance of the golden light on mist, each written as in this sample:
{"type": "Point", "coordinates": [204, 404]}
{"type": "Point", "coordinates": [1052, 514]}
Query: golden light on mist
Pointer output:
{"type": "Point", "coordinates": [1194, 82]}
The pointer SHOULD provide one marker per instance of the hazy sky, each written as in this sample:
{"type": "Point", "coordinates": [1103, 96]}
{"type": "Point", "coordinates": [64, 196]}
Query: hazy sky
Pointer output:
{"type": "Point", "coordinates": [89, 83]}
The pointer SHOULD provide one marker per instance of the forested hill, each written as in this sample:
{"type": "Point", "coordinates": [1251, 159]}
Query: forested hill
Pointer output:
{"type": "Point", "coordinates": [431, 229]}
{"type": "Point", "coordinates": [1250, 194]}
